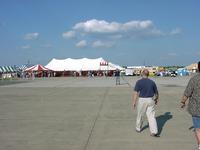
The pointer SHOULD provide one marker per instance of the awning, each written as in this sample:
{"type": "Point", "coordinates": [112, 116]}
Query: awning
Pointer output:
{"type": "Point", "coordinates": [7, 69]}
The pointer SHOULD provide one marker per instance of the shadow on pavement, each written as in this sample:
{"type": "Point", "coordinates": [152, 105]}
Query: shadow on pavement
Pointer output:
{"type": "Point", "coordinates": [161, 120]}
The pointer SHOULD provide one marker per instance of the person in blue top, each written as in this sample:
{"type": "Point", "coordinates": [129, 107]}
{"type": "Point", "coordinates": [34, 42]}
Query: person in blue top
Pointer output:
{"type": "Point", "coordinates": [146, 96]}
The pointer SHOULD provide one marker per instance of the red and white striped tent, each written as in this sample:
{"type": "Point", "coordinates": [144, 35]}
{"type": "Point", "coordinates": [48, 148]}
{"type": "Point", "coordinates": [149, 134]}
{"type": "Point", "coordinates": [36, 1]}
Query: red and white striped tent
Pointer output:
{"type": "Point", "coordinates": [37, 67]}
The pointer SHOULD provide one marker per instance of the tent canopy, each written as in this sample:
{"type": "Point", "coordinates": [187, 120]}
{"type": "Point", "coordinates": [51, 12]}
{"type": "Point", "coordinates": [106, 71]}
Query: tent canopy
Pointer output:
{"type": "Point", "coordinates": [7, 69]}
{"type": "Point", "coordinates": [37, 67]}
{"type": "Point", "coordinates": [192, 66]}
{"type": "Point", "coordinates": [83, 64]}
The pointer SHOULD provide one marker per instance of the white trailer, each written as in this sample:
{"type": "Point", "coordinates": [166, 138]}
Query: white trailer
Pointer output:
{"type": "Point", "coordinates": [129, 72]}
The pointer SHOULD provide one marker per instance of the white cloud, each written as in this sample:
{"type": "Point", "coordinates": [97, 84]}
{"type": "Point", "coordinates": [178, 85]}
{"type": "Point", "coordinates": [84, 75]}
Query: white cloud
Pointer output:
{"type": "Point", "coordinates": [97, 26]}
{"type": "Point", "coordinates": [137, 25]}
{"type": "Point", "coordinates": [26, 47]}
{"type": "Point", "coordinates": [81, 44]}
{"type": "Point", "coordinates": [115, 30]}
{"type": "Point", "coordinates": [101, 26]}
{"type": "Point", "coordinates": [101, 44]}
{"type": "Point", "coordinates": [175, 31]}
{"type": "Point", "coordinates": [97, 31]}
{"type": "Point", "coordinates": [31, 36]}
{"type": "Point", "coordinates": [69, 34]}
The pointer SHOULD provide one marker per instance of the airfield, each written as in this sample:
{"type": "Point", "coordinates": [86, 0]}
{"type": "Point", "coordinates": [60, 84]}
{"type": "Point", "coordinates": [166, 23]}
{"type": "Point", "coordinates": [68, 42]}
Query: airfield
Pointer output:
{"type": "Point", "coordinates": [82, 113]}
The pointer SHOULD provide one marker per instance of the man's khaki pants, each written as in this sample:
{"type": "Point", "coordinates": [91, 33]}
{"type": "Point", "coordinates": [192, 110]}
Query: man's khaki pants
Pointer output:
{"type": "Point", "coordinates": [146, 105]}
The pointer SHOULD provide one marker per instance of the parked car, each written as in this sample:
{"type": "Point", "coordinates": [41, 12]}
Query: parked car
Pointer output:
{"type": "Point", "coordinates": [173, 74]}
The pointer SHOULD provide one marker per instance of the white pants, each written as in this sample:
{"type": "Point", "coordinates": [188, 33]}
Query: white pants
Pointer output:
{"type": "Point", "coordinates": [146, 105]}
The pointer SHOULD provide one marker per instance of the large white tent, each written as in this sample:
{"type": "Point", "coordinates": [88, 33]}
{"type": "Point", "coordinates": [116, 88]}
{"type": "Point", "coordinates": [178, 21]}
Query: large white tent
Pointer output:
{"type": "Point", "coordinates": [83, 64]}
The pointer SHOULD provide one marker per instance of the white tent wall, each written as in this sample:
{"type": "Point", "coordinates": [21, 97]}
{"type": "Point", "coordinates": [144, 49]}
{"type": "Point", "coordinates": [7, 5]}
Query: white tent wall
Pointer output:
{"type": "Point", "coordinates": [91, 64]}
{"type": "Point", "coordinates": [83, 64]}
{"type": "Point", "coordinates": [56, 65]}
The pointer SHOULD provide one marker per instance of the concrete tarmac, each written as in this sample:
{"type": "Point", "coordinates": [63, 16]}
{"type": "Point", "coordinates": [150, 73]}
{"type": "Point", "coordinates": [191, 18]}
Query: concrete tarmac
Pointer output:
{"type": "Point", "coordinates": [89, 114]}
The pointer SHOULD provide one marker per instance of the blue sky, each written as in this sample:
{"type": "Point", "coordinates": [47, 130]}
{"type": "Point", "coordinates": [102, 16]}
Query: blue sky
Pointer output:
{"type": "Point", "coordinates": [128, 32]}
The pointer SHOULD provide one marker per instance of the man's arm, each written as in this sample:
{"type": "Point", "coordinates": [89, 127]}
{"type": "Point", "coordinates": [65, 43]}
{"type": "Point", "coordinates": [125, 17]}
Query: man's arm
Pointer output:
{"type": "Point", "coordinates": [134, 99]}
{"type": "Point", "coordinates": [188, 92]}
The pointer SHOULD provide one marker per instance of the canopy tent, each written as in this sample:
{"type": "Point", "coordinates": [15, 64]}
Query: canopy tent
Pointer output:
{"type": "Point", "coordinates": [1, 70]}
{"type": "Point", "coordinates": [7, 69]}
{"type": "Point", "coordinates": [83, 64]}
{"type": "Point", "coordinates": [182, 72]}
{"type": "Point", "coordinates": [37, 67]}
{"type": "Point", "coordinates": [192, 67]}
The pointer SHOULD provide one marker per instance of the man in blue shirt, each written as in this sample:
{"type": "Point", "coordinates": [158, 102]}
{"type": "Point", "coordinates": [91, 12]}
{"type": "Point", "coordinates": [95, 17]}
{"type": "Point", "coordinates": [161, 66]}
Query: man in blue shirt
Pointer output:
{"type": "Point", "coordinates": [147, 94]}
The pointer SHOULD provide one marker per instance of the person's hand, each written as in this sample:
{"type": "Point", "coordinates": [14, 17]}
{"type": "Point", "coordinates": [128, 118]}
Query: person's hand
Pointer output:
{"type": "Point", "coordinates": [182, 104]}
{"type": "Point", "coordinates": [156, 101]}
{"type": "Point", "coordinates": [134, 106]}
{"type": "Point", "coordinates": [183, 101]}
{"type": "Point", "coordinates": [155, 98]}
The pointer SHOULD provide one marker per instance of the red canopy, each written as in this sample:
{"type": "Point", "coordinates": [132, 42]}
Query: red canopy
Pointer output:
{"type": "Point", "coordinates": [37, 68]}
